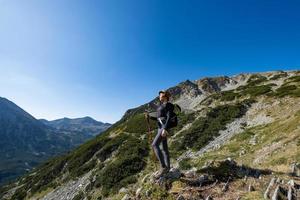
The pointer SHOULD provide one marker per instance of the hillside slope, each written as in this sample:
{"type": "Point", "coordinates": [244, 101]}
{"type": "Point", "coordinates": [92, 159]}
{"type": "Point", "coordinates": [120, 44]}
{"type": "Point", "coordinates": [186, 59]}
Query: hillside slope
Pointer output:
{"type": "Point", "coordinates": [26, 142]}
{"type": "Point", "coordinates": [238, 138]}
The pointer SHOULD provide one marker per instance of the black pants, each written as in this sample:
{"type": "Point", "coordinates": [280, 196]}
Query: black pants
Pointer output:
{"type": "Point", "coordinates": [162, 155]}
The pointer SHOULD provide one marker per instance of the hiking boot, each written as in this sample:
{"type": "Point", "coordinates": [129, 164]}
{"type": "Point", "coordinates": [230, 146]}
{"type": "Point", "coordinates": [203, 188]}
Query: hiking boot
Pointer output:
{"type": "Point", "coordinates": [161, 172]}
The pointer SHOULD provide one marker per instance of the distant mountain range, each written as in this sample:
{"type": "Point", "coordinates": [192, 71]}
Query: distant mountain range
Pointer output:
{"type": "Point", "coordinates": [85, 125]}
{"type": "Point", "coordinates": [26, 142]}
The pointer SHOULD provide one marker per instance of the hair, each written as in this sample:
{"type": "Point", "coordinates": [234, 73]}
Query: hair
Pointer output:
{"type": "Point", "coordinates": [166, 96]}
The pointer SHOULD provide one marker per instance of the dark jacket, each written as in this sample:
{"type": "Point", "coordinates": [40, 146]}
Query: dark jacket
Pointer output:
{"type": "Point", "coordinates": [164, 111]}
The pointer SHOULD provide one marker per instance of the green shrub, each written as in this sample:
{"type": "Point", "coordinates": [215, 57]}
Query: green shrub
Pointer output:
{"type": "Point", "coordinates": [206, 128]}
{"type": "Point", "coordinates": [284, 90]}
{"type": "Point", "coordinates": [86, 167]}
{"type": "Point", "coordinates": [84, 153]}
{"type": "Point", "coordinates": [130, 160]}
{"type": "Point", "coordinates": [79, 196]}
{"type": "Point", "coordinates": [111, 146]}
{"type": "Point", "coordinates": [256, 79]}
{"type": "Point", "coordinates": [183, 119]}
{"type": "Point", "coordinates": [185, 164]}
{"type": "Point", "coordinates": [255, 91]}
{"type": "Point", "coordinates": [19, 194]}
{"type": "Point", "coordinates": [277, 76]}
{"type": "Point", "coordinates": [225, 95]}
{"type": "Point", "coordinates": [137, 124]}
{"type": "Point", "coordinates": [244, 136]}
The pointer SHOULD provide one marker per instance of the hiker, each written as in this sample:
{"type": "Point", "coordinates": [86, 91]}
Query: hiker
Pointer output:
{"type": "Point", "coordinates": [164, 111]}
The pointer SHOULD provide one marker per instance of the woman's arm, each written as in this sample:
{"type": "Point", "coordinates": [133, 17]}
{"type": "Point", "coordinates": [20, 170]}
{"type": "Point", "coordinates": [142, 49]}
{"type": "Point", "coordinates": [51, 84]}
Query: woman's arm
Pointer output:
{"type": "Point", "coordinates": [169, 109]}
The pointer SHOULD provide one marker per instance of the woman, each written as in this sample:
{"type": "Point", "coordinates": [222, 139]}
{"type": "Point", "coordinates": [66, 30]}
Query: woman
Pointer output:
{"type": "Point", "coordinates": [164, 111]}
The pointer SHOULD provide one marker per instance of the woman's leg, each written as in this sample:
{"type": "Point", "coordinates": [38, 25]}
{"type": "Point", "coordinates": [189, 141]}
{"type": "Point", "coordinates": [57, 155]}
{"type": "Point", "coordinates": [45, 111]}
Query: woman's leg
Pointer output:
{"type": "Point", "coordinates": [155, 144]}
{"type": "Point", "coordinates": [165, 151]}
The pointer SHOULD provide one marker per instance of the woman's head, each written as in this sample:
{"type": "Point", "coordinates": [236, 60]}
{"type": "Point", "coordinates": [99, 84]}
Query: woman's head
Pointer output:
{"type": "Point", "coordinates": [164, 95]}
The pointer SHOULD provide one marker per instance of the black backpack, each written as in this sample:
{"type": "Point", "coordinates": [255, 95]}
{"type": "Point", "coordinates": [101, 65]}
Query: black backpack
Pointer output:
{"type": "Point", "coordinates": [173, 121]}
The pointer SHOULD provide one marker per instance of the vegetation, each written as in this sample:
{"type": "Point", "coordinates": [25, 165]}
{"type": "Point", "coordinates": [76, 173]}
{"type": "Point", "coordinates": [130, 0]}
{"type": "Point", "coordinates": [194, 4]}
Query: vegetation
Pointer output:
{"type": "Point", "coordinates": [278, 76]}
{"type": "Point", "coordinates": [183, 119]}
{"type": "Point", "coordinates": [110, 146]}
{"type": "Point", "coordinates": [137, 124]}
{"type": "Point", "coordinates": [255, 90]}
{"type": "Point", "coordinates": [256, 79]}
{"type": "Point", "coordinates": [79, 196]}
{"type": "Point", "coordinates": [206, 128]}
{"type": "Point", "coordinates": [291, 87]}
{"type": "Point", "coordinates": [120, 172]}
{"type": "Point", "coordinates": [229, 95]}
{"type": "Point", "coordinates": [185, 164]}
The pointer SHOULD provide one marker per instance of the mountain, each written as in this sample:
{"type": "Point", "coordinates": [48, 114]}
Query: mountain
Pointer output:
{"type": "Point", "coordinates": [86, 125]}
{"type": "Point", "coordinates": [26, 142]}
{"type": "Point", "coordinates": [237, 138]}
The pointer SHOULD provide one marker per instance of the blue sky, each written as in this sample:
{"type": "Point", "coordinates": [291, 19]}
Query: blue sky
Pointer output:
{"type": "Point", "coordinates": [71, 58]}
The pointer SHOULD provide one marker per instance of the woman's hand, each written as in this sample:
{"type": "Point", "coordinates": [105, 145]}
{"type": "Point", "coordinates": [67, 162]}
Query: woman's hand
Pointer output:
{"type": "Point", "coordinates": [164, 133]}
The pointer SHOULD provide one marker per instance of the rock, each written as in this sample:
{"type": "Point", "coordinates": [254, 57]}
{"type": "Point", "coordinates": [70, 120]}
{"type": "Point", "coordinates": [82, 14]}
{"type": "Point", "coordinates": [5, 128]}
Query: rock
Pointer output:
{"type": "Point", "coordinates": [148, 193]}
{"type": "Point", "coordinates": [276, 193]}
{"type": "Point", "coordinates": [180, 197]}
{"type": "Point", "coordinates": [145, 178]}
{"type": "Point", "coordinates": [123, 190]}
{"type": "Point", "coordinates": [272, 182]}
{"type": "Point", "coordinates": [253, 140]}
{"type": "Point", "coordinates": [209, 198]}
{"type": "Point", "coordinates": [290, 193]}
{"type": "Point", "coordinates": [242, 152]}
{"type": "Point", "coordinates": [126, 197]}
{"type": "Point", "coordinates": [278, 180]}
{"type": "Point", "coordinates": [250, 188]}
{"type": "Point", "coordinates": [138, 192]}
{"type": "Point", "coordinates": [225, 187]}
{"type": "Point", "coordinates": [293, 169]}
{"type": "Point", "coordinates": [291, 183]}
{"type": "Point", "coordinates": [173, 174]}
{"type": "Point", "coordinates": [231, 161]}
{"type": "Point", "coordinates": [191, 173]}
{"type": "Point", "coordinates": [203, 179]}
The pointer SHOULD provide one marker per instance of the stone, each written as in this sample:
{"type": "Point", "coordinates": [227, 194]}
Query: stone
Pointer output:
{"type": "Point", "coordinates": [138, 192]}
{"type": "Point", "coordinates": [123, 190]}
{"type": "Point", "coordinates": [174, 173]}
{"type": "Point", "coordinates": [191, 173]}
{"type": "Point", "coordinates": [253, 140]}
{"type": "Point", "coordinates": [180, 197]}
{"type": "Point", "coordinates": [290, 193]}
{"type": "Point", "coordinates": [272, 182]}
{"type": "Point", "coordinates": [276, 193]}
{"type": "Point", "coordinates": [203, 179]}
{"type": "Point", "coordinates": [225, 187]}
{"type": "Point", "coordinates": [126, 197]}
{"type": "Point", "coordinates": [148, 193]}
{"type": "Point", "coordinates": [145, 178]}
{"type": "Point", "coordinates": [250, 188]}
{"type": "Point", "coordinates": [209, 198]}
